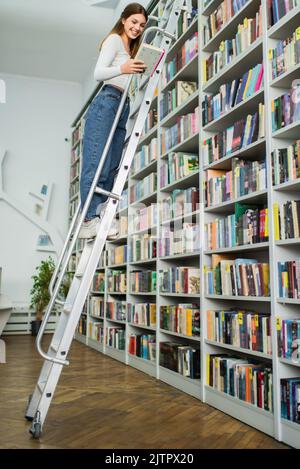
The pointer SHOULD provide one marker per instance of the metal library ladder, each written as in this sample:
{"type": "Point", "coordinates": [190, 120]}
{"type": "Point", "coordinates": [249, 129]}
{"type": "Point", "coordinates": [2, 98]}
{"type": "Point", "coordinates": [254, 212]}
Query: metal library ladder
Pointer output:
{"type": "Point", "coordinates": [56, 356]}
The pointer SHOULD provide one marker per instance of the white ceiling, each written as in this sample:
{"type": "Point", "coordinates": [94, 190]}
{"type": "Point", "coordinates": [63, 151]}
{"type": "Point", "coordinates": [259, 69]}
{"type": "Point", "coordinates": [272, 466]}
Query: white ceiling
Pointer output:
{"type": "Point", "coordinates": [55, 39]}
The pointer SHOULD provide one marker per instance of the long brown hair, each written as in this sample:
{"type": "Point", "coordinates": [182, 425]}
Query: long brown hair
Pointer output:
{"type": "Point", "coordinates": [131, 9]}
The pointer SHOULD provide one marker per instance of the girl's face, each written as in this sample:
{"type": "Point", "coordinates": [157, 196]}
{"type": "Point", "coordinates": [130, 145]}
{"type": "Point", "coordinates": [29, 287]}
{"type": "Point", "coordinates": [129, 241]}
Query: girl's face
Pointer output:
{"type": "Point", "coordinates": [134, 25]}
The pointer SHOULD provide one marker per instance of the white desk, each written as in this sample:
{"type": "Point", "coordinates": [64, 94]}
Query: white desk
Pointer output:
{"type": "Point", "coordinates": [5, 312]}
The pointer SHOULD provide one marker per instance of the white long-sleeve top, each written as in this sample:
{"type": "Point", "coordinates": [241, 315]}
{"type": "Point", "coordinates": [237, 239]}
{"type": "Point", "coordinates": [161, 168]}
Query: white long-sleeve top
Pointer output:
{"type": "Point", "coordinates": [112, 55]}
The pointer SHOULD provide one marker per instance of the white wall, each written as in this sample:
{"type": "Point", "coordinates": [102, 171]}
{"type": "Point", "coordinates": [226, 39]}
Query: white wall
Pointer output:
{"type": "Point", "coordinates": [34, 123]}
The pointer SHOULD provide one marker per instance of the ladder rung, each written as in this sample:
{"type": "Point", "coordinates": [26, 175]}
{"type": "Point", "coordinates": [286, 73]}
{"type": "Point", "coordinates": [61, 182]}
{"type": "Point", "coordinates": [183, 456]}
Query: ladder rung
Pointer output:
{"type": "Point", "coordinates": [98, 190]}
{"type": "Point", "coordinates": [59, 302]}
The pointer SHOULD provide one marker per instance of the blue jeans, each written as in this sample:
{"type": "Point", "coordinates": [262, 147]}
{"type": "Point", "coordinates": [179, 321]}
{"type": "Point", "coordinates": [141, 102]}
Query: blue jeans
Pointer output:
{"type": "Point", "coordinates": [99, 121]}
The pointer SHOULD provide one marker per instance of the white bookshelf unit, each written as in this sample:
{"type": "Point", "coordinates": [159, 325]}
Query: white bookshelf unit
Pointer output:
{"type": "Point", "coordinates": [264, 308]}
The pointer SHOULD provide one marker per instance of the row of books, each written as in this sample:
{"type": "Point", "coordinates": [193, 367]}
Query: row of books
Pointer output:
{"type": "Point", "coordinates": [103, 258]}
{"type": "Point", "coordinates": [187, 125]}
{"type": "Point", "coordinates": [75, 154]}
{"type": "Point", "coordinates": [181, 358]}
{"type": "Point", "coordinates": [248, 225]}
{"type": "Point", "coordinates": [81, 327]}
{"type": "Point", "coordinates": [97, 306]}
{"type": "Point", "coordinates": [251, 382]}
{"type": "Point", "coordinates": [150, 122]}
{"type": "Point", "coordinates": [116, 310]}
{"type": "Point", "coordinates": [237, 277]}
{"type": "Point", "coordinates": [286, 108]}
{"type": "Point", "coordinates": [143, 346]}
{"type": "Point", "coordinates": [180, 280]}
{"type": "Point", "coordinates": [173, 98]}
{"type": "Point", "coordinates": [231, 94]}
{"type": "Point", "coordinates": [124, 201]}
{"type": "Point", "coordinates": [290, 399]}
{"type": "Point", "coordinates": [244, 329]}
{"type": "Point", "coordinates": [175, 241]}
{"type": "Point", "coordinates": [73, 207]}
{"type": "Point", "coordinates": [185, 19]}
{"type": "Point", "coordinates": [96, 331]}
{"type": "Point", "coordinates": [121, 224]}
{"type": "Point", "coordinates": [76, 135]}
{"type": "Point", "coordinates": [246, 34]}
{"type": "Point", "coordinates": [179, 202]}
{"type": "Point", "coordinates": [239, 135]}
{"type": "Point", "coordinates": [187, 52]}
{"type": "Point", "coordinates": [98, 284]}
{"type": "Point", "coordinates": [145, 217]}
{"type": "Point", "coordinates": [75, 170]}
{"type": "Point", "coordinates": [245, 178]}
{"type": "Point", "coordinates": [142, 247]}
{"type": "Point", "coordinates": [289, 279]}
{"type": "Point", "coordinates": [288, 339]}
{"type": "Point", "coordinates": [285, 55]}
{"type": "Point", "coordinates": [143, 281]}
{"type": "Point", "coordinates": [181, 319]}
{"type": "Point", "coordinates": [115, 337]}
{"type": "Point", "coordinates": [117, 254]}
{"type": "Point", "coordinates": [286, 164]}
{"type": "Point", "coordinates": [216, 21]}
{"type": "Point", "coordinates": [286, 220]}
{"type": "Point", "coordinates": [142, 188]}
{"type": "Point", "coordinates": [144, 156]}
{"type": "Point", "coordinates": [143, 314]}
{"type": "Point", "coordinates": [277, 9]}
{"type": "Point", "coordinates": [178, 166]}
{"type": "Point", "coordinates": [116, 281]}
{"type": "Point", "coordinates": [74, 189]}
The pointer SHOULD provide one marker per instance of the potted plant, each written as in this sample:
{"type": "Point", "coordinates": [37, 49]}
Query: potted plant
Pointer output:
{"type": "Point", "coordinates": [40, 291]}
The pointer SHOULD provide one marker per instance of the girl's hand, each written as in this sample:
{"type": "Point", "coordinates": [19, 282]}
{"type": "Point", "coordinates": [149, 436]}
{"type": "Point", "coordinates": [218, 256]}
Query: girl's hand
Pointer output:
{"type": "Point", "coordinates": [133, 66]}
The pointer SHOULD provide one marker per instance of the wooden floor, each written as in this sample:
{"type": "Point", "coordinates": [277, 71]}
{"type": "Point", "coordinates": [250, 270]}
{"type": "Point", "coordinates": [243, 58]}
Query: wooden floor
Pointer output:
{"type": "Point", "coordinates": [101, 403]}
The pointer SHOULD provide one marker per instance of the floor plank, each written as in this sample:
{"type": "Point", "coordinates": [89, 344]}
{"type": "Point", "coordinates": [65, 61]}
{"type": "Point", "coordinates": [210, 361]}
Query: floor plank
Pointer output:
{"type": "Point", "coordinates": [101, 403]}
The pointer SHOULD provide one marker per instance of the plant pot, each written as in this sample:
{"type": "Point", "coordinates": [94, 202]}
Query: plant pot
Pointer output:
{"type": "Point", "coordinates": [35, 326]}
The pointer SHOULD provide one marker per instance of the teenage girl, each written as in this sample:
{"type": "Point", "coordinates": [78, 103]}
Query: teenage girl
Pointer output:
{"type": "Point", "coordinates": [115, 63]}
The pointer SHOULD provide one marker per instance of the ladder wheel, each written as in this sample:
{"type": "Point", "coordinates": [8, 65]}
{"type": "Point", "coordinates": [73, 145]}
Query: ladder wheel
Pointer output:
{"type": "Point", "coordinates": [36, 430]}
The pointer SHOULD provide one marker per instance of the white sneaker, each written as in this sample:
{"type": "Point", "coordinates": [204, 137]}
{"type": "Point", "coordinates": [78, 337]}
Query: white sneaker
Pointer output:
{"type": "Point", "coordinates": [89, 228]}
{"type": "Point", "coordinates": [113, 231]}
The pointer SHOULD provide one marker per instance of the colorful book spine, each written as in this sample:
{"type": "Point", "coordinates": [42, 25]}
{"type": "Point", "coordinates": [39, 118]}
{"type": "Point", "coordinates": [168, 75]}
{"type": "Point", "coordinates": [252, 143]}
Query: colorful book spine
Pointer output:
{"type": "Point", "coordinates": [180, 280]}
{"type": "Point", "coordinates": [97, 306]}
{"type": "Point", "coordinates": [116, 281]}
{"type": "Point", "coordinates": [237, 277]}
{"type": "Point", "coordinates": [250, 382]}
{"type": "Point", "coordinates": [186, 126]}
{"type": "Point", "coordinates": [286, 164]}
{"type": "Point", "coordinates": [247, 33]}
{"type": "Point", "coordinates": [143, 281]}
{"type": "Point", "coordinates": [142, 314]}
{"type": "Point", "coordinates": [182, 319]}
{"type": "Point", "coordinates": [286, 109]}
{"type": "Point", "coordinates": [290, 399]}
{"type": "Point", "coordinates": [115, 337]}
{"type": "Point", "coordinates": [289, 279]}
{"type": "Point", "coordinates": [181, 358]}
{"type": "Point", "coordinates": [244, 329]}
{"type": "Point", "coordinates": [179, 241]}
{"type": "Point", "coordinates": [143, 346]}
{"type": "Point", "coordinates": [116, 310]}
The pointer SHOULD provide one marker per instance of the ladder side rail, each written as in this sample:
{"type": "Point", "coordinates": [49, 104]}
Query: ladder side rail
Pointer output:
{"type": "Point", "coordinates": [62, 254]}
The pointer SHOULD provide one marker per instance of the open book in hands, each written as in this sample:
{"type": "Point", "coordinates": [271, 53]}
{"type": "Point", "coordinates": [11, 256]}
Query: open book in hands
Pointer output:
{"type": "Point", "coordinates": [151, 56]}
